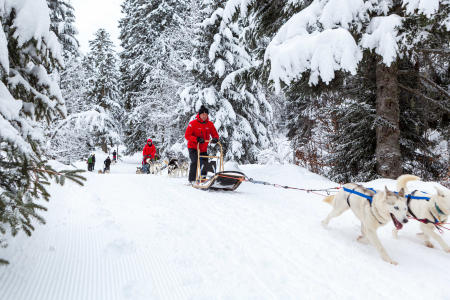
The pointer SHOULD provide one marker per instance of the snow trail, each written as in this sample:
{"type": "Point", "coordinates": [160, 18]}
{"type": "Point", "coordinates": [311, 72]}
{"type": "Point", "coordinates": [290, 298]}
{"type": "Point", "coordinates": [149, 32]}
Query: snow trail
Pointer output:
{"type": "Point", "coordinates": [128, 236]}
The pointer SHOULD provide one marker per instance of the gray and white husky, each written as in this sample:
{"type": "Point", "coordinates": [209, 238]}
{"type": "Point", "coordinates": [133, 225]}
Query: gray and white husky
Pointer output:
{"type": "Point", "coordinates": [429, 212]}
{"type": "Point", "coordinates": [383, 207]}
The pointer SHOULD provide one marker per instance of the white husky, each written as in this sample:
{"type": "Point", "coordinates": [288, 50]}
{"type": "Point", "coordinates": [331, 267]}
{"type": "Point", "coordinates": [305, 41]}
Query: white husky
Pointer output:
{"type": "Point", "coordinates": [429, 212]}
{"type": "Point", "coordinates": [378, 210]}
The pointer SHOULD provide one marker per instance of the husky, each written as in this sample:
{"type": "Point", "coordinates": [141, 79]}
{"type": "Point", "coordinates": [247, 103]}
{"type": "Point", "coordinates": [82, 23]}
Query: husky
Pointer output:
{"type": "Point", "coordinates": [374, 211]}
{"type": "Point", "coordinates": [428, 209]}
{"type": "Point", "coordinates": [172, 167]}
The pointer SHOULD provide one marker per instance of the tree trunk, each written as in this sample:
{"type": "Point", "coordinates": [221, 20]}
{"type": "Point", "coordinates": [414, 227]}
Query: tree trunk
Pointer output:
{"type": "Point", "coordinates": [387, 152]}
{"type": "Point", "coordinates": [104, 145]}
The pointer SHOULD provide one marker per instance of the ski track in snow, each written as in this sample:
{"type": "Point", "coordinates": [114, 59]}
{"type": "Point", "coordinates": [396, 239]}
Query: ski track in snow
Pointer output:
{"type": "Point", "coordinates": [128, 236]}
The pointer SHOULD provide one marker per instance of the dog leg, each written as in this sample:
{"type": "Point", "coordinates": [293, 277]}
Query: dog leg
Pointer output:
{"type": "Point", "coordinates": [426, 239]}
{"type": "Point", "coordinates": [363, 237]}
{"type": "Point", "coordinates": [375, 241]}
{"type": "Point", "coordinates": [336, 212]}
{"type": "Point", "coordinates": [428, 231]}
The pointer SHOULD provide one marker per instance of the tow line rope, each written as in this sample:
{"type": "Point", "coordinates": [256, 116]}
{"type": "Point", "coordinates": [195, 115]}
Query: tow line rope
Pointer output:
{"type": "Point", "coordinates": [439, 225]}
{"type": "Point", "coordinates": [314, 191]}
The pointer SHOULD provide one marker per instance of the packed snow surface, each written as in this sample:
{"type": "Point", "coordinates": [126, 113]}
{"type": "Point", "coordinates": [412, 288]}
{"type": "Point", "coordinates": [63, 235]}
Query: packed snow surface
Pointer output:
{"type": "Point", "coordinates": [129, 236]}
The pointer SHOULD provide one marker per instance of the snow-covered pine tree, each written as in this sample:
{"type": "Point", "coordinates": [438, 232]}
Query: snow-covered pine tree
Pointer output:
{"type": "Point", "coordinates": [29, 54]}
{"type": "Point", "coordinates": [67, 144]}
{"type": "Point", "coordinates": [346, 27]}
{"type": "Point", "coordinates": [62, 19]}
{"type": "Point", "coordinates": [155, 36]}
{"type": "Point", "coordinates": [70, 137]}
{"type": "Point", "coordinates": [93, 102]}
{"type": "Point", "coordinates": [103, 96]}
{"type": "Point", "coordinates": [221, 65]}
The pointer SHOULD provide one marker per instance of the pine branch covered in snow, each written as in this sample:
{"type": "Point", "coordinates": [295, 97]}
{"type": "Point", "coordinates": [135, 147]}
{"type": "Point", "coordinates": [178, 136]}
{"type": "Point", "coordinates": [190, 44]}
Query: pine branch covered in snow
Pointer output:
{"type": "Point", "coordinates": [62, 19]}
{"type": "Point", "coordinates": [305, 47]}
{"type": "Point", "coordinates": [29, 96]}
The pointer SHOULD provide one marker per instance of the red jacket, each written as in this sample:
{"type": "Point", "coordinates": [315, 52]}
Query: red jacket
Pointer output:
{"type": "Point", "coordinates": [198, 128]}
{"type": "Point", "coordinates": [149, 150]}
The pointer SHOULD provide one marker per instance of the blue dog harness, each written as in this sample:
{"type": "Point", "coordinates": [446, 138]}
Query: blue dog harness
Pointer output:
{"type": "Point", "coordinates": [370, 198]}
{"type": "Point", "coordinates": [409, 197]}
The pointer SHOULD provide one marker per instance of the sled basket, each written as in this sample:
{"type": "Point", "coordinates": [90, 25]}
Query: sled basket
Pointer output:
{"type": "Point", "coordinates": [222, 180]}
{"type": "Point", "coordinates": [226, 181]}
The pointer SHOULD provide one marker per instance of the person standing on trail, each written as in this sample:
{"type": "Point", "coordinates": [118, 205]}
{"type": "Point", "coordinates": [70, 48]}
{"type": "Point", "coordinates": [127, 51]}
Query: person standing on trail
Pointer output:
{"type": "Point", "coordinates": [107, 164]}
{"type": "Point", "coordinates": [89, 163]}
{"type": "Point", "coordinates": [114, 155]}
{"type": "Point", "coordinates": [148, 152]}
{"type": "Point", "coordinates": [93, 162]}
{"type": "Point", "coordinates": [198, 132]}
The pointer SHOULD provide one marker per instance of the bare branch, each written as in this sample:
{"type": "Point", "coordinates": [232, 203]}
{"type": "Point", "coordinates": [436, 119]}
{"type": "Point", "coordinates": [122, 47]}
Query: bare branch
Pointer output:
{"type": "Point", "coordinates": [435, 51]}
{"type": "Point", "coordinates": [418, 93]}
{"type": "Point", "coordinates": [435, 85]}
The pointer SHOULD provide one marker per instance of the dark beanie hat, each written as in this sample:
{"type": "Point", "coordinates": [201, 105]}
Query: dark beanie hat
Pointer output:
{"type": "Point", "coordinates": [203, 109]}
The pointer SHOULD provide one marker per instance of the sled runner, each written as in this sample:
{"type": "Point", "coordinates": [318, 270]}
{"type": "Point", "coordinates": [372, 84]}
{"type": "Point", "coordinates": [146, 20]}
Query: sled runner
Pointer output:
{"type": "Point", "coordinates": [221, 180]}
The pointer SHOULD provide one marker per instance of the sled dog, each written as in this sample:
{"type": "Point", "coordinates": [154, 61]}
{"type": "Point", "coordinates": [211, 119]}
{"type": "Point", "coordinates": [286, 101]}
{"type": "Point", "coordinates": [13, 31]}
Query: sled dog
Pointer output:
{"type": "Point", "coordinates": [428, 211]}
{"type": "Point", "coordinates": [384, 206]}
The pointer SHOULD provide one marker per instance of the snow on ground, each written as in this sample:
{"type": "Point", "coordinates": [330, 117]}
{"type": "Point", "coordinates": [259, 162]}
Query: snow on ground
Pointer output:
{"type": "Point", "coordinates": [129, 236]}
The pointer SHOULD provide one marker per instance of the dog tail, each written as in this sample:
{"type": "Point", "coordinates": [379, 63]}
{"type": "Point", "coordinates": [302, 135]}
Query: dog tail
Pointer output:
{"type": "Point", "coordinates": [328, 199]}
{"type": "Point", "coordinates": [403, 180]}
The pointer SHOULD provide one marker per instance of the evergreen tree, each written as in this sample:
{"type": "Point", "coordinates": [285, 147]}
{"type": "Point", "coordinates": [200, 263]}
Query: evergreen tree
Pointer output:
{"type": "Point", "coordinates": [30, 52]}
{"type": "Point", "coordinates": [62, 19]}
{"type": "Point", "coordinates": [93, 102]}
{"type": "Point", "coordinates": [71, 137]}
{"type": "Point", "coordinates": [222, 66]}
{"type": "Point", "coordinates": [391, 29]}
{"type": "Point", "coordinates": [155, 36]}
{"type": "Point", "coordinates": [103, 95]}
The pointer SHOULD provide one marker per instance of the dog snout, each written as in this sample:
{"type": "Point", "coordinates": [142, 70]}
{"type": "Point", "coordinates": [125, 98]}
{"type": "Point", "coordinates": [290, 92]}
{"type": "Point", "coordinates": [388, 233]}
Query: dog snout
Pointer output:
{"type": "Point", "coordinates": [405, 220]}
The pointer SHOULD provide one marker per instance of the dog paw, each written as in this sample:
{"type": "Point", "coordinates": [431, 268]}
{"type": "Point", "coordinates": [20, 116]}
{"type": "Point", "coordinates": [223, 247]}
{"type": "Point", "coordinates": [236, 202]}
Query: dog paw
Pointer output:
{"type": "Point", "coordinates": [447, 250]}
{"type": "Point", "coordinates": [395, 234]}
{"type": "Point", "coordinates": [429, 244]}
{"type": "Point", "coordinates": [362, 239]}
{"type": "Point", "coordinates": [324, 224]}
{"type": "Point", "coordinates": [389, 260]}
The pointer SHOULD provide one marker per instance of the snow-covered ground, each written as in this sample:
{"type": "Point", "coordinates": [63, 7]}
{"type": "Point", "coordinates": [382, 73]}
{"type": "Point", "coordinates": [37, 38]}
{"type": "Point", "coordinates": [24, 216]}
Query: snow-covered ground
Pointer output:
{"type": "Point", "coordinates": [128, 236]}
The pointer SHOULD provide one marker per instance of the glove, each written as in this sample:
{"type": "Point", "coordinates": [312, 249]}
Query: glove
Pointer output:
{"type": "Point", "coordinates": [200, 140]}
{"type": "Point", "coordinates": [214, 140]}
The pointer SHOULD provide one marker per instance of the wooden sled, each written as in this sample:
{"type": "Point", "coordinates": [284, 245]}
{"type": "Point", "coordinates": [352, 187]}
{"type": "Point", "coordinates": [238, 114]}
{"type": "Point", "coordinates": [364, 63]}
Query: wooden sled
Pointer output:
{"type": "Point", "coordinates": [221, 180]}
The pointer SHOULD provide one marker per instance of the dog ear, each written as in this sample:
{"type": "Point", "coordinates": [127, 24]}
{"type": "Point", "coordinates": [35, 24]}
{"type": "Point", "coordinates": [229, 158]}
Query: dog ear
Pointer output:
{"type": "Point", "coordinates": [439, 192]}
{"type": "Point", "coordinates": [385, 193]}
{"type": "Point", "coordinates": [401, 193]}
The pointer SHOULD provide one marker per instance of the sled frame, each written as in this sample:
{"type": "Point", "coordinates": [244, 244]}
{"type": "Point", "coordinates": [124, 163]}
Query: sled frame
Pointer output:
{"type": "Point", "coordinates": [205, 184]}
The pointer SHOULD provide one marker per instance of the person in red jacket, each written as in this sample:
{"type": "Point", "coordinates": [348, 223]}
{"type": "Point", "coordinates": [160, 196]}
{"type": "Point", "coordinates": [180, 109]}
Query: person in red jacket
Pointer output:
{"type": "Point", "coordinates": [199, 131]}
{"type": "Point", "coordinates": [149, 151]}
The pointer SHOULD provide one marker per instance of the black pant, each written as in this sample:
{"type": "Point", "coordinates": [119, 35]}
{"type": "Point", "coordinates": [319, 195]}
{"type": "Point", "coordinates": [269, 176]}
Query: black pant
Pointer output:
{"type": "Point", "coordinates": [193, 167]}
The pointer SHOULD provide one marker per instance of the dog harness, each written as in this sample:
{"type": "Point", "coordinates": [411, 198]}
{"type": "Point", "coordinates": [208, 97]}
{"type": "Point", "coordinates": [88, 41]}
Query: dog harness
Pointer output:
{"type": "Point", "coordinates": [369, 198]}
{"type": "Point", "coordinates": [411, 196]}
